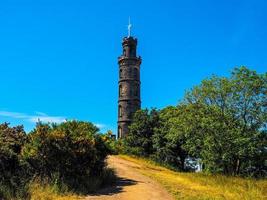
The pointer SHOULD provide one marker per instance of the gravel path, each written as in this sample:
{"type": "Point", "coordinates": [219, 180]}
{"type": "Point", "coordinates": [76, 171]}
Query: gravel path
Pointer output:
{"type": "Point", "coordinates": [131, 184]}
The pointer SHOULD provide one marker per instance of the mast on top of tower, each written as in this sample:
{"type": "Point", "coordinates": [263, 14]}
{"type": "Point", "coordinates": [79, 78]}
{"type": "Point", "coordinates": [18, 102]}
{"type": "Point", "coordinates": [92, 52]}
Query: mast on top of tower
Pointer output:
{"type": "Point", "coordinates": [129, 27]}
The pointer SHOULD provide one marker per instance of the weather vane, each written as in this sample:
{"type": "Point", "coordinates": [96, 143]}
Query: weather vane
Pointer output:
{"type": "Point", "coordinates": [129, 27]}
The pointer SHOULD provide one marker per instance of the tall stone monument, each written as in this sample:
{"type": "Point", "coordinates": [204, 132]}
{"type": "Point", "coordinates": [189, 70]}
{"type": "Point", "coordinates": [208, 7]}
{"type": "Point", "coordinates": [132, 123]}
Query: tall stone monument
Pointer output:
{"type": "Point", "coordinates": [129, 84]}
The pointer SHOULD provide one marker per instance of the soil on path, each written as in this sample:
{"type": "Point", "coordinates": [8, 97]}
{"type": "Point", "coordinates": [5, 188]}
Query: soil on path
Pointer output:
{"type": "Point", "coordinates": [131, 185]}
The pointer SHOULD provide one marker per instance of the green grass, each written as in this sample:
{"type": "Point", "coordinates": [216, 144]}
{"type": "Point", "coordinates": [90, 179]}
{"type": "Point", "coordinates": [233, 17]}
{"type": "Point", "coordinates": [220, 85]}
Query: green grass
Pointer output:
{"type": "Point", "coordinates": [54, 190]}
{"type": "Point", "coordinates": [61, 191]}
{"type": "Point", "coordinates": [47, 192]}
{"type": "Point", "coordinates": [199, 186]}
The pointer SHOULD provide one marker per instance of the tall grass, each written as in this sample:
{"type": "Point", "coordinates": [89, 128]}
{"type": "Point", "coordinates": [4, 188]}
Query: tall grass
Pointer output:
{"type": "Point", "coordinates": [40, 190]}
{"type": "Point", "coordinates": [199, 186]}
{"type": "Point", "coordinates": [47, 189]}
{"type": "Point", "coordinates": [13, 192]}
{"type": "Point", "coordinates": [48, 192]}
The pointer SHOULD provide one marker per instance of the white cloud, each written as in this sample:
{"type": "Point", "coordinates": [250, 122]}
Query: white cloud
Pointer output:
{"type": "Point", "coordinates": [43, 117]}
{"type": "Point", "coordinates": [33, 118]}
{"type": "Point", "coordinates": [13, 114]}
{"type": "Point", "coordinates": [46, 119]}
{"type": "Point", "coordinates": [40, 113]}
{"type": "Point", "coordinates": [100, 126]}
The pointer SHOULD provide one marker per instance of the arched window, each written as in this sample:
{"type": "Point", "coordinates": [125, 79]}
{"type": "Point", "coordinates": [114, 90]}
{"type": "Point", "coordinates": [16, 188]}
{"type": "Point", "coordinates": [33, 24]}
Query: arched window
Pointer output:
{"type": "Point", "coordinates": [136, 90]}
{"type": "Point", "coordinates": [131, 91]}
{"type": "Point", "coordinates": [120, 73]}
{"type": "Point", "coordinates": [132, 51]}
{"type": "Point", "coordinates": [120, 90]}
{"type": "Point", "coordinates": [119, 132]}
{"type": "Point", "coordinates": [120, 111]}
{"type": "Point", "coordinates": [135, 73]}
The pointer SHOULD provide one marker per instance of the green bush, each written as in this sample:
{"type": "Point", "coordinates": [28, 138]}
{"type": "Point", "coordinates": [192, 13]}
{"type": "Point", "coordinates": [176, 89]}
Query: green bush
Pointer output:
{"type": "Point", "coordinates": [14, 173]}
{"type": "Point", "coordinates": [69, 154]}
{"type": "Point", "coordinates": [114, 146]}
{"type": "Point", "coordinates": [70, 157]}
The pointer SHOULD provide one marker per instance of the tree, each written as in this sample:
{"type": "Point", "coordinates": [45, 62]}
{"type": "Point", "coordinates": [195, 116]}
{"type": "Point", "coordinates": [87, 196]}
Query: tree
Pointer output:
{"type": "Point", "coordinates": [210, 136]}
{"type": "Point", "coordinates": [232, 119]}
{"type": "Point", "coordinates": [169, 138]}
{"type": "Point", "coordinates": [139, 139]}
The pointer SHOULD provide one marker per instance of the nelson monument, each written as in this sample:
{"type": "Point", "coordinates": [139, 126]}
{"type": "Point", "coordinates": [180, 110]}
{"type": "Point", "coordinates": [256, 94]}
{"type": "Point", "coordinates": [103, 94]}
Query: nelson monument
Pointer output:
{"type": "Point", "coordinates": [129, 83]}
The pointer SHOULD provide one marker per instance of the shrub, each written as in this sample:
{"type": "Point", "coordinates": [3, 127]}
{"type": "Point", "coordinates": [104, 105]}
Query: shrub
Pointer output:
{"type": "Point", "coordinates": [115, 146]}
{"type": "Point", "coordinates": [14, 173]}
{"type": "Point", "coordinates": [70, 154]}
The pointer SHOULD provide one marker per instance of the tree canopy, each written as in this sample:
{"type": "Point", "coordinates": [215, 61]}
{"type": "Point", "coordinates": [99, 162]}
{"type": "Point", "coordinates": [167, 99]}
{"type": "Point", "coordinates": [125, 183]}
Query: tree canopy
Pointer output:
{"type": "Point", "coordinates": [222, 122]}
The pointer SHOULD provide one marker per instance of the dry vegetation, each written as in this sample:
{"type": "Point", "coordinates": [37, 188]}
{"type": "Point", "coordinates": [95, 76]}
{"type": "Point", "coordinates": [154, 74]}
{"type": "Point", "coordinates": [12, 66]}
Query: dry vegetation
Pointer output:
{"type": "Point", "coordinates": [202, 186]}
{"type": "Point", "coordinates": [39, 192]}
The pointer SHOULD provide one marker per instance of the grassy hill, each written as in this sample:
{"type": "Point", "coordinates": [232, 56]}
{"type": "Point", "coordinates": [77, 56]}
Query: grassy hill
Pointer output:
{"type": "Point", "coordinates": [199, 186]}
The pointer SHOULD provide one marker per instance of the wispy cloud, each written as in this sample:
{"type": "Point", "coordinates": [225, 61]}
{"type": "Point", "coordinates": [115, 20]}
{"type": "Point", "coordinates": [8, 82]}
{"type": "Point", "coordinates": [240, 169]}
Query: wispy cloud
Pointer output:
{"type": "Point", "coordinates": [39, 116]}
{"type": "Point", "coordinates": [40, 113]}
{"type": "Point", "coordinates": [100, 126]}
{"type": "Point", "coordinates": [50, 119]}
{"type": "Point", "coordinates": [43, 117]}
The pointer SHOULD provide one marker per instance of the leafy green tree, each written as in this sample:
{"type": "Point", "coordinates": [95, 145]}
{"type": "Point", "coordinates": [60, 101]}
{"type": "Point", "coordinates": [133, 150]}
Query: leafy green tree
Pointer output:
{"type": "Point", "coordinates": [231, 122]}
{"type": "Point", "coordinates": [139, 139]}
{"type": "Point", "coordinates": [209, 136]}
{"type": "Point", "coordinates": [169, 138]}
{"type": "Point", "coordinates": [222, 121]}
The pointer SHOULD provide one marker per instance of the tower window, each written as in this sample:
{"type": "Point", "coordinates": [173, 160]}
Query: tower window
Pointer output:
{"type": "Point", "coordinates": [120, 111]}
{"type": "Point", "coordinates": [131, 91]}
{"type": "Point", "coordinates": [120, 91]}
{"type": "Point", "coordinates": [119, 132]}
{"type": "Point", "coordinates": [135, 73]}
{"type": "Point", "coordinates": [132, 51]}
{"type": "Point", "coordinates": [136, 90]}
{"type": "Point", "coordinates": [120, 73]}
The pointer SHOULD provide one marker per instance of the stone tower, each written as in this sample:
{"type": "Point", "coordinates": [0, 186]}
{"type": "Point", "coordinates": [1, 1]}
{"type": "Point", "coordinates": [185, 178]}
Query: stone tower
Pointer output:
{"type": "Point", "coordinates": [129, 85]}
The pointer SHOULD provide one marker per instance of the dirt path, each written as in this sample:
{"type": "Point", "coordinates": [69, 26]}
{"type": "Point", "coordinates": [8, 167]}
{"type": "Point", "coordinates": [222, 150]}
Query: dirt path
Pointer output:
{"type": "Point", "coordinates": [131, 185]}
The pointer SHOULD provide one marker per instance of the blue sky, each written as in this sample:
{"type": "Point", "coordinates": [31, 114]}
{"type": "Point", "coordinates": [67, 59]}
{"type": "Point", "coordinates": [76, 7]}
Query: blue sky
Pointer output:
{"type": "Point", "coordinates": [58, 58]}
